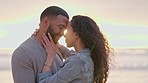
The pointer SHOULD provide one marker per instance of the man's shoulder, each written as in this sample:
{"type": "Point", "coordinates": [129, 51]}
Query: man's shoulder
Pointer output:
{"type": "Point", "coordinates": [27, 44]}
{"type": "Point", "coordinates": [24, 47]}
{"type": "Point", "coordinates": [20, 52]}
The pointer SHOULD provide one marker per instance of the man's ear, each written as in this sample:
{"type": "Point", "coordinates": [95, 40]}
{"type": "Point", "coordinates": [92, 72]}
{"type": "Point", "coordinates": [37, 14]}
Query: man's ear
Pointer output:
{"type": "Point", "coordinates": [46, 21]}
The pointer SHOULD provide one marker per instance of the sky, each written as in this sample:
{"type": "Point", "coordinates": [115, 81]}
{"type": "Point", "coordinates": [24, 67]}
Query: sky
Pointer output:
{"type": "Point", "coordinates": [123, 22]}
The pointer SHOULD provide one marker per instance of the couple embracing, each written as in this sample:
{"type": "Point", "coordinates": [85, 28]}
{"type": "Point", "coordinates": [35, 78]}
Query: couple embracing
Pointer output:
{"type": "Point", "coordinates": [40, 58]}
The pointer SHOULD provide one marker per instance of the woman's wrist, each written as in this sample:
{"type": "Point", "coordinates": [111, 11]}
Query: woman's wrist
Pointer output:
{"type": "Point", "coordinates": [49, 61]}
{"type": "Point", "coordinates": [46, 68]}
{"type": "Point", "coordinates": [48, 64]}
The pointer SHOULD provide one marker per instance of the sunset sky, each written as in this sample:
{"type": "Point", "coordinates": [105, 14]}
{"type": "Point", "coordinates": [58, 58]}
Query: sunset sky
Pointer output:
{"type": "Point", "coordinates": [124, 22]}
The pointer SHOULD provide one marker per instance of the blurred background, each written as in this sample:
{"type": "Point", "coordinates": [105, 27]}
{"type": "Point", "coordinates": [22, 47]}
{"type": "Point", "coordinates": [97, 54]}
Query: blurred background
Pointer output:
{"type": "Point", "coordinates": [124, 22]}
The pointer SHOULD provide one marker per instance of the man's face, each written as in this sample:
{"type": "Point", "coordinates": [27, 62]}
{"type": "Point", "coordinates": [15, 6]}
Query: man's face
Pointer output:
{"type": "Point", "coordinates": [57, 27]}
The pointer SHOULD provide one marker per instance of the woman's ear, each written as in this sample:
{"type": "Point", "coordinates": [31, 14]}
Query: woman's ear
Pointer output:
{"type": "Point", "coordinates": [76, 35]}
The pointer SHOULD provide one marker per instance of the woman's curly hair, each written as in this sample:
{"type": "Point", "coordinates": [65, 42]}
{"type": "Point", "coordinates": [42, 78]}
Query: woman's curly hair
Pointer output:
{"type": "Point", "coordinates": [91, 36]}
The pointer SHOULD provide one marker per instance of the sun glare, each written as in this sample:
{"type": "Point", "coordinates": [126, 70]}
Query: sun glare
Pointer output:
{"type": "Point", "coordinates": [65, 32]}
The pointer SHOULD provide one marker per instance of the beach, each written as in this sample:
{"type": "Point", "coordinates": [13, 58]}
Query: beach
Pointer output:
{"type": "Point", "coordinates": [132, 67]}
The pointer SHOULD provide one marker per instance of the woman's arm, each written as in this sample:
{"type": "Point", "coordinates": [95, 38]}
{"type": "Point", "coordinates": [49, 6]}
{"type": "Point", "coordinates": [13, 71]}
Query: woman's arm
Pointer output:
{"type": "Point", "coordinates": [71, 70]}
{"type": "Point", "coordinates": [50, 48]}
{"type": "Point", "coordinates": [64, 51]}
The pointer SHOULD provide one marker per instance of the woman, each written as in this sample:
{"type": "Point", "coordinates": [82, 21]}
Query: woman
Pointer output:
{"type": "Point", "coordinates": [90, 62]}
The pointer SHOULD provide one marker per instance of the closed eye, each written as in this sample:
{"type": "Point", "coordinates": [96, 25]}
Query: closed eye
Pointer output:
{"type": "Point", "coordinates": [62, 27]}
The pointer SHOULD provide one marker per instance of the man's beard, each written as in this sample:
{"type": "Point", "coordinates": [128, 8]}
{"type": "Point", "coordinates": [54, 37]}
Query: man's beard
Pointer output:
{"type": "Point", "coordinates": [53, 35]}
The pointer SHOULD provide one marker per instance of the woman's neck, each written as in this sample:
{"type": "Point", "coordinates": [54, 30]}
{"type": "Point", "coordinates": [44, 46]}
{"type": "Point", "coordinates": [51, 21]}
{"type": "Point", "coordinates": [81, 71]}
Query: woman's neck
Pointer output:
{"type": "Point", "coordinates": [79, 46]}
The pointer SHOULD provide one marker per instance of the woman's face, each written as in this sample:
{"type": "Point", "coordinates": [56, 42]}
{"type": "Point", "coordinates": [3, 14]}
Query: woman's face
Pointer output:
{"type": "Point", "coordinates": [70, 36]}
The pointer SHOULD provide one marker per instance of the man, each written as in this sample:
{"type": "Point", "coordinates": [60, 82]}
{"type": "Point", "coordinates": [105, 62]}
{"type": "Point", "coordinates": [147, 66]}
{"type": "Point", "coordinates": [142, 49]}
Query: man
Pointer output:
{"type": "Point", "coordinates": [28, 59]}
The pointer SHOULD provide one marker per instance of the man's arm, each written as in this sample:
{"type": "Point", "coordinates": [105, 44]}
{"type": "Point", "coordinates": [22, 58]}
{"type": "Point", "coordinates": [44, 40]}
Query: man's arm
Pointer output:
{"type": "Point", "coordinates": [22, 68]}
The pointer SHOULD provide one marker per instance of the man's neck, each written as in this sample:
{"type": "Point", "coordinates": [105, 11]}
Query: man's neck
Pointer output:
{"type": "Point", "coordinates": [38, 36]}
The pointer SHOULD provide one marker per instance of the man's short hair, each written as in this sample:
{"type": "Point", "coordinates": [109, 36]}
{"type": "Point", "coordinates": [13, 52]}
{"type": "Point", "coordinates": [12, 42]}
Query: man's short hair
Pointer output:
{"type": "Point", "coordinates": [54, 11]}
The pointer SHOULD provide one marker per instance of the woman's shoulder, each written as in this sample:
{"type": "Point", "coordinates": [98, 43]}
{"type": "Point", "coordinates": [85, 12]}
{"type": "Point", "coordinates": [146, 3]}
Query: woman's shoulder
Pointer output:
{"type": "Point", "coordinates": [82, 57]}
{"type": "Point", "coordinates": [75, 59]}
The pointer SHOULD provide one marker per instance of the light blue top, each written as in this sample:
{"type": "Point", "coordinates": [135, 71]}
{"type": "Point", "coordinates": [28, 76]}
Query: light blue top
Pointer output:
{"type": "Point", "coordinates": [76, 69]}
